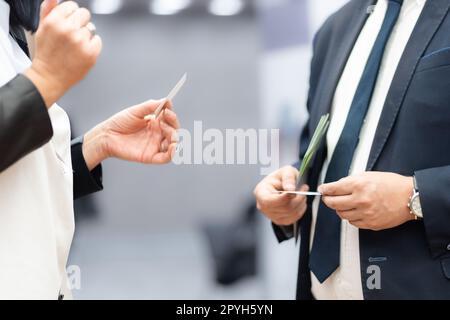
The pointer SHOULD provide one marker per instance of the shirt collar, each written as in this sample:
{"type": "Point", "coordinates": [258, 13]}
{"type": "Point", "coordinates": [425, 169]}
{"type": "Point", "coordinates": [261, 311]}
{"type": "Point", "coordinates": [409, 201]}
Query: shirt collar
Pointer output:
{"type": "Point", "coordinates": [418, 2]}
{"type": "Point", "coordinates": [4, 16]}
{"type": "Point", "coordinates": [421, 2]}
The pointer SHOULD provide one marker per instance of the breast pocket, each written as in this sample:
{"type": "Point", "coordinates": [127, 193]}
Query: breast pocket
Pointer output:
{"type": "Point", "coordinates": [434, 60]}
{"type": "Point", "coordinates": [427, 103]}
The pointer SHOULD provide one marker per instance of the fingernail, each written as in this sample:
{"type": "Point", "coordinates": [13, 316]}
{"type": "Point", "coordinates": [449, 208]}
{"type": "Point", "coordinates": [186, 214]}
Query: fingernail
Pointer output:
{"type": "Point", "coordinates": [321, 189]}
{"type": "Point", "coordinates": [289, 187]}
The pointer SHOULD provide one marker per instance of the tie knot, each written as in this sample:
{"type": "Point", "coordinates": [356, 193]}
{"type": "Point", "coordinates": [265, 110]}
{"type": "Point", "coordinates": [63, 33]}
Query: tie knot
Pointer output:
{"type": "Point", "coordinates": [400, 2]}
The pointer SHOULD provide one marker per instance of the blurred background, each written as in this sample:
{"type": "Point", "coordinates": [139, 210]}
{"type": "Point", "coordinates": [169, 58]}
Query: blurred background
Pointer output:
{"type": "Point", "coordinates": [191, 231]}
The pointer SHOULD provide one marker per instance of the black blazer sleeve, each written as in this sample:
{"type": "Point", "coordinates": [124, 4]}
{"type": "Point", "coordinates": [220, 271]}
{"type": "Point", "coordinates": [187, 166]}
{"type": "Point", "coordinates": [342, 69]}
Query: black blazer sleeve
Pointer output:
{"type": "Point", "coordinates": [434, 189]}
{"type": "Point", "coordinates": [25, 126]}
{"type": "Point", "coordinates": [24, 121]}
{"type": "Point", "coordinates": [84, 181]}
{"type": "Point", "coordinates": [286, 233]}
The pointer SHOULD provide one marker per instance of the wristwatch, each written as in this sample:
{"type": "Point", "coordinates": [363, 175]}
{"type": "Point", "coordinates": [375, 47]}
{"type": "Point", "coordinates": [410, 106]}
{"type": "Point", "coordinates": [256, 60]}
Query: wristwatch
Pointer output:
{"type": "Point", "coordinates": [414, 203]}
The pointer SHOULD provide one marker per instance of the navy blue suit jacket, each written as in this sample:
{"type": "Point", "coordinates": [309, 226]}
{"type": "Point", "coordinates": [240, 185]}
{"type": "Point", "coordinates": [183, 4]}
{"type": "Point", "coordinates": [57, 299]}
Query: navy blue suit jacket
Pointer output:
{"type": "Point", "coordinates": [411, 139]}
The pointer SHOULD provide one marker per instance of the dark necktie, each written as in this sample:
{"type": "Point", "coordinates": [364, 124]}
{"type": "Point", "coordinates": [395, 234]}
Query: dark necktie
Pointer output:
{"type": "Point", "coordinates": [325, 253]}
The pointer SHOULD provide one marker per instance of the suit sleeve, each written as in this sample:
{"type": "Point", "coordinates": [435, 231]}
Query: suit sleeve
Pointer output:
{"type": "Point", "coordinates": [24, 121]}
{"type": "Point", "coordinates": [85, 182]}
{"type": "Point", "coordinates": [434, 189]}
{"type": "Point", "coordinates": [320, 40]}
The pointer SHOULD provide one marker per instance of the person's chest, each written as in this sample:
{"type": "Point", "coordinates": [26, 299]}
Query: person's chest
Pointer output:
{"type": "Point", "coordinates": [350, 79]}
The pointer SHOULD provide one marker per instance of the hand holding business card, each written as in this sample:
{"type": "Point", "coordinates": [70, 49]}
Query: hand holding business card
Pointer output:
{"type": "Point", "coordinates": [169, 97]}
{"type": "Point", "coordinates": [300, 193]}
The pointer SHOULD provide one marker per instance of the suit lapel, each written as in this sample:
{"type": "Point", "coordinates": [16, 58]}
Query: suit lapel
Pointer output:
{"type": "Point", "coordinates": [335, 65]}
{"type": "Point", "coordinates": [432, 16]}
{"type": "Point", "coordinates": [340, 50]}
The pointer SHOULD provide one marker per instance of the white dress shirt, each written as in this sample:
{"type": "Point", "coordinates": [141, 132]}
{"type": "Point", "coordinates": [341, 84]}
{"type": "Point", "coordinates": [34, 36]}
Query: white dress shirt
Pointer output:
{"type": "Point", "coordinates": [345, 282]}
{"type": "Point", "coordinates": [36, 200]}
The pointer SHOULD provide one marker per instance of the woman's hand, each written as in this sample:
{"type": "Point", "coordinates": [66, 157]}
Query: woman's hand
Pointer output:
{"type": "Point", "coordinates": [65, 49]}
{"type": "Point", "coordinates": [129, 137]}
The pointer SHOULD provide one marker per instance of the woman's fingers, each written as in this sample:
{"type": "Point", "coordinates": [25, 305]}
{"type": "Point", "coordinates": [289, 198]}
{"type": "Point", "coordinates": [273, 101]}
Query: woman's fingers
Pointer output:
{"type": "Point", "coordinates": [171, 118]}
{"type": "Point", "coordinates": [80, 18]}
{"type": "Point", "coordinates": [165, 145]}
{"type": "Point", "coordinates": [169, 132]}
{"type": "Point", "coordinates": [146, 108]}
{"type": "Point", "coordinates": [165, 157]}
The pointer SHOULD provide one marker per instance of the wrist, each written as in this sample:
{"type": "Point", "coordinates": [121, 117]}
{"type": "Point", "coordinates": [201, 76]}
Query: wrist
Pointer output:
{"type": "Point", "coordinates": [50, 88]}
{"type": "Point", "coordinates": [414, 205]}
{"type": "Point", "coordinates": [95, 147]}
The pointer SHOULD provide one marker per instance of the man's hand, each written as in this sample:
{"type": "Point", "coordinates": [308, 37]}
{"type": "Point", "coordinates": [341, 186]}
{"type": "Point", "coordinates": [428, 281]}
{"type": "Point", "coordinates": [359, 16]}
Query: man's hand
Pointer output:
{"type": "Point", "coordinates": [282, 209]}
{"type": "Point", "coordinates": [372, 200]}
{"type": "Point", "coordinates": [129, 137]}
{"type": "Point", "coordinates": [65, 49]}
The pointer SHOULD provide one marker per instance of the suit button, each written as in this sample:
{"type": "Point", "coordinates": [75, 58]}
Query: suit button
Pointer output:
{"type": "Point", "coordinates": [448, 247]}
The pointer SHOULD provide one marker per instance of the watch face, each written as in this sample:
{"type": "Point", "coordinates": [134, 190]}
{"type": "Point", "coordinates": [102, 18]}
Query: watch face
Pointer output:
{"type": "Point", "coordinates": [416, 208]}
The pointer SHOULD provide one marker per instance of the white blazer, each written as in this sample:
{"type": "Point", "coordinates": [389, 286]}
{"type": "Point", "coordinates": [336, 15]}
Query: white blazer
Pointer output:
{"type": "Point", "coordinates": [36, 201]}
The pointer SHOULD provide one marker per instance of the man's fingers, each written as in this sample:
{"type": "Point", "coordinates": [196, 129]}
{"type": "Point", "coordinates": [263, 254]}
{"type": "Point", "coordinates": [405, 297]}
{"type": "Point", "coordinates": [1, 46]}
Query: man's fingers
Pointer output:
{"type": "Point", "coordinates": [297, 205]}
{"type": "Point", "coordinates": [297, 202]}
{"type": "Point", "coordinates": [338, 188]}
{"type": "Point", "coordinates": [289, 178]}
{"type": "Point", "coordinates": [360, 224]}
{"type": "Point", "coordinates": [286, 219]}
{"type": "Point", "coordinates": [282, 209]}
{"type": "Point", "coordinates": [304, 188]}
{"type": "Point", "coordinates": [273, 184]}
{"type": "Point", "coordinates": [80, 18]}
{"type": "Point", "coordinates": [339, 203]}
{"type": "Point", "coordinates": [47, 6]}
{"type": "Point", "coordinates": [284, 202]}
{"type": "Point", "coordinates": [350, 215]}
{"type": "Point", "coordinates": [270, 200]}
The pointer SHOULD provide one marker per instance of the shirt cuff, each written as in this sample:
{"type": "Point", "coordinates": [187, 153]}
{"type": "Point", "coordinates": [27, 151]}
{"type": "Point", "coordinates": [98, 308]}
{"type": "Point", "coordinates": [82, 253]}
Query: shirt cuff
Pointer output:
{"type": "Point", "coordinates": [283, 233]}
{"type": "Point", "coordinates": [84, 181]}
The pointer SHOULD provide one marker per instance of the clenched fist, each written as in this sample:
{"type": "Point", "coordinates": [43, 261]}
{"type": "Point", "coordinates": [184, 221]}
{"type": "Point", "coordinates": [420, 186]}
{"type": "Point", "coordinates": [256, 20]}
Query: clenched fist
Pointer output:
{"type": "Point", "coordinates": [65, 49]}
{"type": "Point", "coordinates": [282, 209]}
